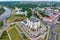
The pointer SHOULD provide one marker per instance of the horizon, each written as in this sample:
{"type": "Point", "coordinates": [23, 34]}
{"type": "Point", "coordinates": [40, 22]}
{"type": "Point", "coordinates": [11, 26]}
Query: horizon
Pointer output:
{"type": "Point", "coordinates": [31, 0]}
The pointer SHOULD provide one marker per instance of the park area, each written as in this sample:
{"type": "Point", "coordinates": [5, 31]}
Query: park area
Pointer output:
{"type": "Point", "coordinates": [16, 18]}
{"type": "Point", "coordinates": [13, 33]}
{"type": "Point", "coordinates": [4, 36]}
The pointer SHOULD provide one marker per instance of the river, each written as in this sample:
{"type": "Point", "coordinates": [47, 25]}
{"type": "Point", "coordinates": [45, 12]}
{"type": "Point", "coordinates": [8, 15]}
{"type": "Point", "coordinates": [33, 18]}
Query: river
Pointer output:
{"type": "Point", "coordinates": [6, 14]}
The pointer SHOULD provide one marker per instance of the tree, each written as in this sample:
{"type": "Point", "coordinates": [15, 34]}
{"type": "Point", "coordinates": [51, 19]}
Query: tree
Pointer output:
{"type": "Point", "coordinates": [29, 13]}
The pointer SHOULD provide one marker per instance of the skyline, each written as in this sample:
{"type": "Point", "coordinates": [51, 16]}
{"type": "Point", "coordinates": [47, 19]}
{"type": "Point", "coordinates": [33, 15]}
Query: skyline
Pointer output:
{"type": "Point", "coordinates": [29, 0]}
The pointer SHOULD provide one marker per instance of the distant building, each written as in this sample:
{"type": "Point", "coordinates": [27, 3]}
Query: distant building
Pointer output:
{"type": "Point", "coordinates": [38, 8]}
{"type": "Point", "coordinates": [49, 11]}
{"type": "Point", "coordinates": [53, 15]}
{"type": "Point", "coordinates": [56, 10]}
{"type": "Point", "coordinates": [42, 9]}
{"type": "Point", "coordinates": [18, 8]}
{"type": "Point", "coordinates": [18, 11]}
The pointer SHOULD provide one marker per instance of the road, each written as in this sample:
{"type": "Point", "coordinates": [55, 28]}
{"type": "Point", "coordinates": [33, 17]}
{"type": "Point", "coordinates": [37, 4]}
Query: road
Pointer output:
{"type": "Point", "coordinates": [52, 33]}
{"type": "Point", "coordinates": [52, 26]}
{"type": "Point", "coordinates": [6, 14]}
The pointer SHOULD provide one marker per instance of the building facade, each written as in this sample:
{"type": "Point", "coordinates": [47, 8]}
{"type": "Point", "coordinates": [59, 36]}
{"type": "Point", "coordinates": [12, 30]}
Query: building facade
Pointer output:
{"type": "Point", "coordinates": [32, 22]}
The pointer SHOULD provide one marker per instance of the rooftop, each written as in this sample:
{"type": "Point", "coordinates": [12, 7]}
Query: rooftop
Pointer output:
{"type": "Point", "coordinates": [53, 17]}
{"type": "Point", "coordinates": [33, 19]}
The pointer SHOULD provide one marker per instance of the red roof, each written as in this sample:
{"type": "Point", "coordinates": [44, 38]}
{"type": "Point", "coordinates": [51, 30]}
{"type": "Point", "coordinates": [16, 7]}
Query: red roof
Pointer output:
{"type": "Point", "coordinates": [52, 17]}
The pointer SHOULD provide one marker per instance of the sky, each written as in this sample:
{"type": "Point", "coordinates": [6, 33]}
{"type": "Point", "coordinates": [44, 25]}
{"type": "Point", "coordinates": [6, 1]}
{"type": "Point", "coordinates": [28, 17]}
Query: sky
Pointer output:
{"type": "Point", "coordinates": [29, 0]}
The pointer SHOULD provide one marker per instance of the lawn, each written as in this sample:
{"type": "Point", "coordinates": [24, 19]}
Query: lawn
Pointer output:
{"type": "Point", "coordinates": [24, 36]}
{"type": "Point", "coordinates": [15, 18]}
{"type": "Point", "coordinates": [33, 30]}
{"type": "Point", "coordinates": [1, 24]}
{"type": "Point", "coordinates": [4, 36]}
{"type": "Point", "coordinates": [57, 30]}
{"type": "Point", "coordinates": [14, 34]}
{"type": "Point", "coordinates": [19, 28]}
{"type": "Point", "coordinates": [45, 37]}
{"type": "Point", "coordinates": [57, 37]}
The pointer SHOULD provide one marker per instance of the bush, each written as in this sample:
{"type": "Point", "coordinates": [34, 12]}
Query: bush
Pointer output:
{"type": "Point", "coordinates": [29, 13]}
{"type": "Point", "coordinates": [59, 19]}
{"type": "Point", "coordinates": [43, 13]}
{"type": "Point", "coordinates": [1, 10]}
{"type": "Point", "coordinates": [1, 23]}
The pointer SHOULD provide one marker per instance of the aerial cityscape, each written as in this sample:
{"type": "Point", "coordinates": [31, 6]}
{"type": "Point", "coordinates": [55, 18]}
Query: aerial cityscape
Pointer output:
{"type": "Point", "coordinates": [29, 20]}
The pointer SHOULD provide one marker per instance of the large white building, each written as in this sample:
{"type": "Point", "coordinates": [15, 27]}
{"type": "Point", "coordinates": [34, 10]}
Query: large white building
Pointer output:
{"type": "Point", "coordinates": [18, 11]}
{"type": "Point", "coordinates": [32, 22]}
{"type": "Point", "coordinates": [18, 8]}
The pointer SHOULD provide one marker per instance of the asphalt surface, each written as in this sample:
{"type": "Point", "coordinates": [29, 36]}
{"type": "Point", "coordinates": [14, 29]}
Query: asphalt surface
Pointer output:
{"type": "Point", "coordinates": [52, 33]}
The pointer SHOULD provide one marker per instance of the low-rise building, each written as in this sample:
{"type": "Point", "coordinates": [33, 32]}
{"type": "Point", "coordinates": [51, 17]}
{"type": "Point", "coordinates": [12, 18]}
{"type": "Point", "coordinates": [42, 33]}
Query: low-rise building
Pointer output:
{"type": "Point", "coordinates": [18, 8]}
{"type": "Point", "coordinates": [52, 13]}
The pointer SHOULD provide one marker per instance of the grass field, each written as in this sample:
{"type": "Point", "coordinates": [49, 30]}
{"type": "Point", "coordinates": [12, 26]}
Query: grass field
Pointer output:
{"type": "Point", "coordinates": [24, 36]}
{"type": "Point", "coordinates": [15, 18]}
{"type": "Point", "coordinates": [13, 33]}
{"type": "Point", "coordinates": [4, 36]}
{"type": "Point", "coordinates": [45, 37]}
{"type": "Point", "coordinates": [57, 37]}
{"type": "Point", "coordinates": [1, 24]}
{"type": "Point", "coordinates": [57, 31]}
